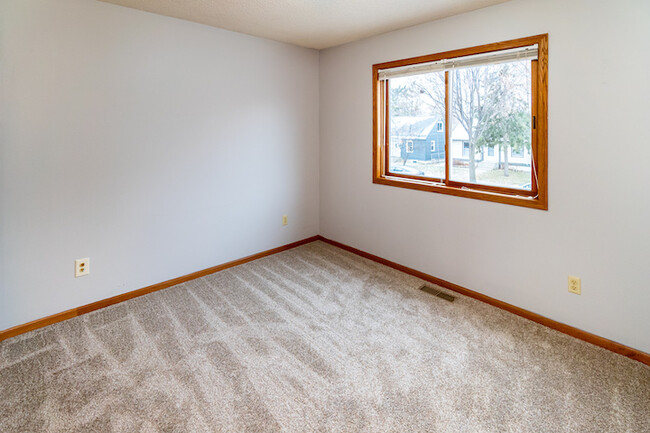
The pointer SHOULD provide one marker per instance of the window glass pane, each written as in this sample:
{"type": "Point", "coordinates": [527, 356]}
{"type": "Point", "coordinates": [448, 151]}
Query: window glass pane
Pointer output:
{"type": "Point", "coordinates": [417, 133]}
{"type": "Point", "coordinates": [491, 125]}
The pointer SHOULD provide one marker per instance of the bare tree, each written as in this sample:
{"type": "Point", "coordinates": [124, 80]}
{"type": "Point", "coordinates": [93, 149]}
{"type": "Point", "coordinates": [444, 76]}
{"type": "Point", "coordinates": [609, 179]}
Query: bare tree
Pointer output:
{"type": "Point", "coordinates": [480, 98]}
{"type": "Point", "coordinates": [509, 127]}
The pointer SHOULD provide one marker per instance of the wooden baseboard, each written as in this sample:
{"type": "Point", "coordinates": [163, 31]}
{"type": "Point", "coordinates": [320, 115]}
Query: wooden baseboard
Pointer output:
{"type": "Point", "coordinates": [566, 329]}
{"type": "Point", "coordinates": [39, 323]}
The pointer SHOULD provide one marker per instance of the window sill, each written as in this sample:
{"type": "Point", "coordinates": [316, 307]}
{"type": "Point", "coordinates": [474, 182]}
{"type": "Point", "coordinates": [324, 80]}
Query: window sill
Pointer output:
{"type": "Point", "coordinates": [537, 202]}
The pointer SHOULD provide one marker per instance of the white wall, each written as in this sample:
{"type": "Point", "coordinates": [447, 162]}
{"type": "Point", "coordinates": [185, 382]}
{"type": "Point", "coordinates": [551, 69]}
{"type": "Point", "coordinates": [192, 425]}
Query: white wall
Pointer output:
{"type": "Point", "coordinates": [598, 223]}
{"type": "Point", "coordinates": [158, 147]}
{"type": "Point", "coordinates": [154, 146]}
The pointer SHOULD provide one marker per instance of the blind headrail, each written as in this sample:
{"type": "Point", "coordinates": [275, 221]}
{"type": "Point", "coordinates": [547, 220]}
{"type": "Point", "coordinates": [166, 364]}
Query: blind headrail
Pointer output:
{"type": "Point", "coordinates": [503, 56]}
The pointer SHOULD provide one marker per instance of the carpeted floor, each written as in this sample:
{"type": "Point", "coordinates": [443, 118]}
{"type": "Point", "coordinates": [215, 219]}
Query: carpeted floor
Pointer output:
{"type": "Point", "coordinates": [314, 339]}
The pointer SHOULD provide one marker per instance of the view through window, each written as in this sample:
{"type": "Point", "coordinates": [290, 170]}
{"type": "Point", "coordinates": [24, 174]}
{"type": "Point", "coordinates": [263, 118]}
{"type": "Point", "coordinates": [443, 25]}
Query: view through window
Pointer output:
{"type": "Point", "coordinates": [468, 121]}
{"type": "Point", "coordinates": [490, 109]}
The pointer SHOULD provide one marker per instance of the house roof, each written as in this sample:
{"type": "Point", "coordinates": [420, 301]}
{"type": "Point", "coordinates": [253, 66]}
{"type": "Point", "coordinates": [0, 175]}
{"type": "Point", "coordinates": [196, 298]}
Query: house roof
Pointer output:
{"type": "Point", "coordinates": [413, 127]}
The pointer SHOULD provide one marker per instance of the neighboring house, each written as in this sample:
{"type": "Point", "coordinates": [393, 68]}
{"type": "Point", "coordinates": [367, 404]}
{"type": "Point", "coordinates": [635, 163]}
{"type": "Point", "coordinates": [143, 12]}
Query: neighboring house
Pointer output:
{"type": "Point", "coordinates": [418, 138]}
{"type": "Point", "coordinates": [460, 152]}
{"type": "Point", "coordinates": [423, 139]}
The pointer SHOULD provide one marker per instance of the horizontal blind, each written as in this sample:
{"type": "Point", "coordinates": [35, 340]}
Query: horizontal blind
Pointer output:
{"type": "Point", "coordinates": [504, 56]}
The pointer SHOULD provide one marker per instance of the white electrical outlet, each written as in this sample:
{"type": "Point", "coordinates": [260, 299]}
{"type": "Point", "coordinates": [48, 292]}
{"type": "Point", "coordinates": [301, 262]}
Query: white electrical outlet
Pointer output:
{"type": "Point", "coordinates": [574, 285]}
{"type": "Point", "coordinates": [81, 267]}
{"type": "Point", "coordinates": [285, 220]}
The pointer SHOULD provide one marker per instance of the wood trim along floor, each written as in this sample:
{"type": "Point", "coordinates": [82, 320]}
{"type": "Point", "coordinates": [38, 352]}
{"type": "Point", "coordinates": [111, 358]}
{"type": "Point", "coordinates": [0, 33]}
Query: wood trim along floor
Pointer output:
{"type": "Point", "coordinates": [596, 340]}
{"type": "Point", "coordinates": [74, 312]}
{"type": "Point", "coordinates": [566, 329]}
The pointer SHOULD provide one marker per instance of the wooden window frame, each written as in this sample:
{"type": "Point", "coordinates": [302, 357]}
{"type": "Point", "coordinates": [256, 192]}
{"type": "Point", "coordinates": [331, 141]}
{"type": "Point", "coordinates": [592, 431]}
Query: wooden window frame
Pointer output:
{"type": "Point", "coordinates": [537, 198]}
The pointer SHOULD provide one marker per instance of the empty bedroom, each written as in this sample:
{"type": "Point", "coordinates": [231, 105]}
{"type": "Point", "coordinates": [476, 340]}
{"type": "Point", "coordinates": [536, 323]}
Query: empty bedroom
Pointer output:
{"type": "Point", "coordinates": [324, 216]}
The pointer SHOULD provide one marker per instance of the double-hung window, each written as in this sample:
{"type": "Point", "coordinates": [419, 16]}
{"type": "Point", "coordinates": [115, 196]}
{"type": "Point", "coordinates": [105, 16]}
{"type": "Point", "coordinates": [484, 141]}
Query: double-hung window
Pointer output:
{"type": "Point", "coordinates": [485, 106]}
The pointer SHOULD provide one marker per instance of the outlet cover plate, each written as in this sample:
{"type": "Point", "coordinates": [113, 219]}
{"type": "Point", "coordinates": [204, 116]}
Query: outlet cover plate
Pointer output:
{"type": "Point", "coordinates": [81, 267]}
{"type": "Point", "coordinates": [575, 285]}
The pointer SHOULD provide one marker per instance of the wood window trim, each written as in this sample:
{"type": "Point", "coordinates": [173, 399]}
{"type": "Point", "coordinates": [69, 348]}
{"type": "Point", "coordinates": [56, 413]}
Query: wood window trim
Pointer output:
{"type": "Point", "coordinates": [537, 198]}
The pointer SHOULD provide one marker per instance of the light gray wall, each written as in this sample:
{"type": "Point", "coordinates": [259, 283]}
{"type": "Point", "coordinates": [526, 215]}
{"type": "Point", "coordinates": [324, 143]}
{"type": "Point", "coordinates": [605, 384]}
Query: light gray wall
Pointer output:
{"type": "Point", "coordinates": [155, 146]}
{"type": "Point", "coordinates": [159, 147]}
{"type": "Point", "coordinates": [598, 223]}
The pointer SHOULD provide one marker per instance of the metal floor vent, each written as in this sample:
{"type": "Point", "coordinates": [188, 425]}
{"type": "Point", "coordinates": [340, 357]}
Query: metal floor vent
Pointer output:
{"type": "Point", "coordinates": [438, 293]}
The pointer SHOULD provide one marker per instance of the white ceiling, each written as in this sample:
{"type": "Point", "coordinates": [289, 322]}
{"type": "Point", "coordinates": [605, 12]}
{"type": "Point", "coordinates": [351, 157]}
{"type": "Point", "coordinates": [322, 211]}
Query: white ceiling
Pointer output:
{"type": "Point", "coordinates": [308, 23]}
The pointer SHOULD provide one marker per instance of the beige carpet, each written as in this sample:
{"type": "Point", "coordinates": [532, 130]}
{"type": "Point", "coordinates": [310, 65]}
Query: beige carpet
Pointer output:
{"type": "Point", "coordinates": [313, 340]}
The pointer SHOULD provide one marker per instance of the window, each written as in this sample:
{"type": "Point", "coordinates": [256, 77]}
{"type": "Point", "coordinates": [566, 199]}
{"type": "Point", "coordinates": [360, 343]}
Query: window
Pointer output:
{"type": "Point", "coordinates": [492, 97]}
{"type": "Point", "coordinates": [409, 146]}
